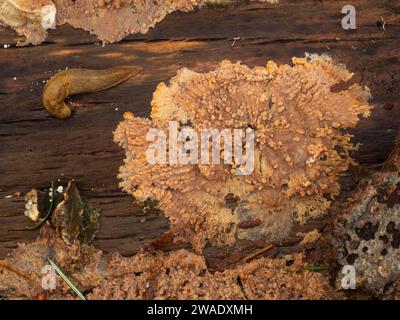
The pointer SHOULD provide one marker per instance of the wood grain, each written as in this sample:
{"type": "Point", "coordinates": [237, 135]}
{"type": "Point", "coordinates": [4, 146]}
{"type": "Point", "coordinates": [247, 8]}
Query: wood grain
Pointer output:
{"type": "Point", "coordinates": [36, 148]}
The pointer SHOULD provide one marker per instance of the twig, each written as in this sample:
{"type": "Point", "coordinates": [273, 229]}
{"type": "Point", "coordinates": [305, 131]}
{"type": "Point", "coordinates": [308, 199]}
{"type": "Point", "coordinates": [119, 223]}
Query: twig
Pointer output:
{"type": "Point", "coordinates": [384, 24]}
{"type": "Point", "coordinates": [15, 270]}
{"type": "Point", "coordinates": [395, 150]}
{"type": "Point", "coordinates": [234, 40]}
{"type": "Point", "coordinates": [163, 241]}
{"type": "Point", "coordinates": [257, 252]}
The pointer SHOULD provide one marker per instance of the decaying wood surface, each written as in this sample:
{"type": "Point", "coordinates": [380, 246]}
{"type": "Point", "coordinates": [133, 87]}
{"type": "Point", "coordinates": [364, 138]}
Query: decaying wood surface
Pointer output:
{"type": "Point", "coordinates": [36, 148]}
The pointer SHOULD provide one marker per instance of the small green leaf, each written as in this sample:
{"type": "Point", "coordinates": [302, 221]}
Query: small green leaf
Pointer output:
{"type": "Point", "coordinates": [315, 268]}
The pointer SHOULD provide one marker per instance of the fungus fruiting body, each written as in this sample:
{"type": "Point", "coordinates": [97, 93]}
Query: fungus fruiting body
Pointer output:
{"type": "Point", "coordinates": [30, 18]}
{"type": "Point", "coordinates": [109, 20]}
{"type": "Point", "coordinates": [300, 148]}
{"type": "Point", "coordinates": [112, 20]}
{"type": "Point", "coordinates": [177, 275]}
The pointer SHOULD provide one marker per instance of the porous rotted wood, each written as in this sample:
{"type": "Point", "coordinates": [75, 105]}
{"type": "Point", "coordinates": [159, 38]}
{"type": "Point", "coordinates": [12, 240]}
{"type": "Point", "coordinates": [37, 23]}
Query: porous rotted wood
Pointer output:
{"type": "Point", "coordinates": [36, 148]}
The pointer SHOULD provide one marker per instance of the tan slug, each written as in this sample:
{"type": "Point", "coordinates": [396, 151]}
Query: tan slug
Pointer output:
{"type": "Point", "coordinates": [73, 81]}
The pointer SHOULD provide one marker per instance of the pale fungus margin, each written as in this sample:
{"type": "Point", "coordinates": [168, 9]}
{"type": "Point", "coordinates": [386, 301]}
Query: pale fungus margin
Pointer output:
{"type": "Point", "coordinates": [300, 148]}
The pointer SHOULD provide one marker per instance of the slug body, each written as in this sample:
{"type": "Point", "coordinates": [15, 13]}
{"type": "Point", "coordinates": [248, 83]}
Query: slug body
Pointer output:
{"type": "Point", "coordinates": [74, 81]}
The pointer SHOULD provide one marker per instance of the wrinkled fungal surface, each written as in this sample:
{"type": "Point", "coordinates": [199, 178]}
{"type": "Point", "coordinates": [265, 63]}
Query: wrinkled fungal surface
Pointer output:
{"type": "Point", "coordinates": [112, 20]}
{"type": "Point", "coordinates": [109, 20]}
{"type": "Point", "coordinates": [368, 233]}
{"type": "Point", "coordinates": [30, 18]}
{"type": "Point", "coordinates": [300, 148]}
{"type": "Point", "coordinates": [177, 275]}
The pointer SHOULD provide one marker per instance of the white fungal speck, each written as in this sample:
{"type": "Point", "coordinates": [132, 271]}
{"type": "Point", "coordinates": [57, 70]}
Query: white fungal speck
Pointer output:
{"type": "Point", "coordinates": [30, 202]}
{"type": "Point", "coordinates": [116, 109]}
{"type": "Point", "coordinates": [8, 197]}
{"type": "Point", "coordinates": [26, 213]}
{"type": "Point", "coordinates": [311, 160]}
{"type": "Point", "coordinates": [15, 78]}
{"type": "Point", "coordinates": [60, 189]}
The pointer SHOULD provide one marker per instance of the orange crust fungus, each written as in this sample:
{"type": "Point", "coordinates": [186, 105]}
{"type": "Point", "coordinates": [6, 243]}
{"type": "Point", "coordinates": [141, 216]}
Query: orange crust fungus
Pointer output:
{"type": "Point", "coordinates": [30, 18]}
{"type": "Point", "coordinates": [112, 20]}
{"type": "Point", "coordinates": [109, 20]}
{"type": "Point", "coordinates": [177, 275]}
{"type": "Point", "coordinates": [300, 148]}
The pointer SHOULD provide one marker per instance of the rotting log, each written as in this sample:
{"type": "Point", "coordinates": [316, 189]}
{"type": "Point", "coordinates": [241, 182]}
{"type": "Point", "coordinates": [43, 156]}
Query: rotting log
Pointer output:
{"type": "Point", "coordinates": [36, 148]}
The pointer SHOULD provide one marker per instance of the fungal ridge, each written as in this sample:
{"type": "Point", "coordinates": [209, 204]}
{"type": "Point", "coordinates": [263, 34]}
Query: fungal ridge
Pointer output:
{"type": "Point", "coordinates": [300, 148]}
